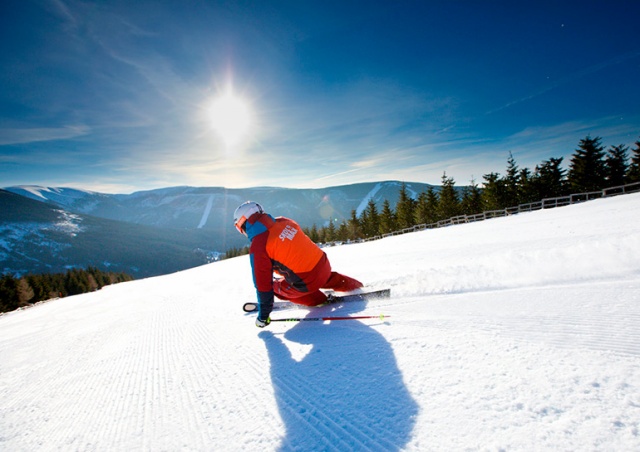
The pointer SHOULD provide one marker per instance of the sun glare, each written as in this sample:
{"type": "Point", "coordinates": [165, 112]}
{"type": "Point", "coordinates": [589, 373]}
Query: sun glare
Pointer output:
{"type": "Point", "coordinates": [231, 118]}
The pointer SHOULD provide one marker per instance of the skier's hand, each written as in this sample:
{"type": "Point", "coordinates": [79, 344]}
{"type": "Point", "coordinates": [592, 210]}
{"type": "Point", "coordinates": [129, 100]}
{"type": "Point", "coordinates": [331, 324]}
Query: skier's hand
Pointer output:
{"type": "Point", "coordinates": [262, 323]}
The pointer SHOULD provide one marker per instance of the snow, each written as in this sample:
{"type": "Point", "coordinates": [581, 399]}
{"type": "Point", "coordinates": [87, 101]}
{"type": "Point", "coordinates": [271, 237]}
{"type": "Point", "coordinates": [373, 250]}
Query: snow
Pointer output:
{"type": "Point", "coordinates": [517, 333]}
{"type": "Point", "coordinates": [363, 204]}
{"type": "Point", "coordinates": [62, 195]}
{"type": "Point", "coordinates": [36, 191]}
{"type": "Point", "coordinates": [207, 211]}
{"type": "Point", "coordinates": [68, 223]}
{"type": "Point", "coordinates": [11, 233]}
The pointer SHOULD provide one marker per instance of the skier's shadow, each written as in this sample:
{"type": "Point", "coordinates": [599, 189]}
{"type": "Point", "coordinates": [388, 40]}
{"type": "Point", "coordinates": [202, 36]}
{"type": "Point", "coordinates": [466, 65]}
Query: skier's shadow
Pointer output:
{"type": "Point", "coordinates": [346, 393]}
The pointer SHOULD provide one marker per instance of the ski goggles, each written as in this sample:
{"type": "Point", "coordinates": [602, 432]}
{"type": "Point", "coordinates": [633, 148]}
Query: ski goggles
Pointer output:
{"type": "Point", "coordinates": [240, 225]}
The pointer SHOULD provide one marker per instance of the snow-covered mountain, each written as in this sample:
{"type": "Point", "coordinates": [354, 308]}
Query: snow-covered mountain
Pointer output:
{"type": "Point", "coordinates": [518, 333]}
{"type": "Point", "coordinates": [43, 237]}
{"type": "Point", "coordinates": [165, 229]}
{"type": "Point", "coordinates": [211, 208]}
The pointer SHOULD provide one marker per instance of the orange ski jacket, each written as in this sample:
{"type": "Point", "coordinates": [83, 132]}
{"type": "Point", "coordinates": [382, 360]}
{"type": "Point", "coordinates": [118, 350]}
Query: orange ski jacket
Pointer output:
{"type": "Point", "coordinates": [278, 245]}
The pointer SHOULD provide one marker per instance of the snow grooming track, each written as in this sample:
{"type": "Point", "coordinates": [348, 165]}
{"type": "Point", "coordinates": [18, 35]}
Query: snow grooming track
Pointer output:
{"type": "Point", "coordinates": [323, 432]}
{"type": "Point", "coordinates": [142, 383]}
{"type": "Point", "coordinates": [326, 398]}
{"type": "Point", "coordinates": [517, 333]}
{"type": "Point", "coordinates": [581, 320]}
{"type": "Point", "coordinates": [73, 378]}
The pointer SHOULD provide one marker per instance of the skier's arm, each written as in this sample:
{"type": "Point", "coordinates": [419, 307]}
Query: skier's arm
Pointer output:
{"type": "Point", "coordinates": [262, 268]}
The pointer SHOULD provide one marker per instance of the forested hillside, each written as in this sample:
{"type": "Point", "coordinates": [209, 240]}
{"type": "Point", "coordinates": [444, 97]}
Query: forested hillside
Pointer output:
{"type": "Point", "coordinates": [591, 168]}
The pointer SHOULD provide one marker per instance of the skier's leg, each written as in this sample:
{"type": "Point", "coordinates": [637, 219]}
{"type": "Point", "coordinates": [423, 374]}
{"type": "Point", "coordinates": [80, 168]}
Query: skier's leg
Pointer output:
{"type": "Point", "coordinates": [285, 292]}
{"type": "Point", "coordinates": [342, 283]}
{"type": "Point", "coordinates": [311, 299]}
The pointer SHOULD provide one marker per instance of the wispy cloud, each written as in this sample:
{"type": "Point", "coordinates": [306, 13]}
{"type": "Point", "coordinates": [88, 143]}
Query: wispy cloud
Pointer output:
{"type": "Point", "coordinates": [60, 8]}
{"type": "Point", "coordinates": [122, 95]}
{"type": "Point", "coordinates": [362, 165]}
{"type": "Point", "coordinates": [31, 135]}
{"type": "Point", "coordinates": [562, 139]}
{"type": "Point", "coordinates": [357, 120]}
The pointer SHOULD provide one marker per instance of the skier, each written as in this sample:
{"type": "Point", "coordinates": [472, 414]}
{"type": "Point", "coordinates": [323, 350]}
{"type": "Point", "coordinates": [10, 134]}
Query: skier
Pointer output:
{"type": "Point", "coordinates": [301, 268]}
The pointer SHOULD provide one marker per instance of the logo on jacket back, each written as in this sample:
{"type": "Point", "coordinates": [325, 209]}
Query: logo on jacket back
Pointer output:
{"type": "Point", "coordinates": [288, 232]}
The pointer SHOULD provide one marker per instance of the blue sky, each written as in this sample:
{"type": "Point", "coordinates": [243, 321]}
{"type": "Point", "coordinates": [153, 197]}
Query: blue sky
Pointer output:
{"type": "Point", "coordinates": [116, 96]}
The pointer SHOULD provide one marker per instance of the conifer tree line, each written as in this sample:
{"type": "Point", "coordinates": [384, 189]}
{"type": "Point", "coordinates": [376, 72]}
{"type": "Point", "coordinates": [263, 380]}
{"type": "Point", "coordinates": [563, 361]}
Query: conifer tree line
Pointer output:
{"type": "Point", "coordinates": [591, 168]}
{"type": "Point", "coordinates": [24, 291]}
{"type": "Point", "coordinates": [236, 251]}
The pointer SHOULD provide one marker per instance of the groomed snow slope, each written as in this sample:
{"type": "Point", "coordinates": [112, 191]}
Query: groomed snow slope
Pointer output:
{"type": "Point", "coordinates": [518, 333]}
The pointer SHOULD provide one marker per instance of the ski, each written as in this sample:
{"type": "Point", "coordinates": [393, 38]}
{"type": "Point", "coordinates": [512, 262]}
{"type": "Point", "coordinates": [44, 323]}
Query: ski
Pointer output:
{"type": "Point", "coordinates": [331, 299]}
{"type": "Point", "coordinates": [331, 318]}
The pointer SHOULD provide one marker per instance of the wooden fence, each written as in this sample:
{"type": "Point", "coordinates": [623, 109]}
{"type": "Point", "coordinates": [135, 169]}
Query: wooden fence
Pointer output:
{"type": "Point", "coordinates": [547, 203]}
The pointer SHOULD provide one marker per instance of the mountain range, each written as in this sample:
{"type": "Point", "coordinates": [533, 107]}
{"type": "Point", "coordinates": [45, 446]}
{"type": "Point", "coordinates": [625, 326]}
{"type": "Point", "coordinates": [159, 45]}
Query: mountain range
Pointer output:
{"type": "Point", "coordinates": [148, 233]}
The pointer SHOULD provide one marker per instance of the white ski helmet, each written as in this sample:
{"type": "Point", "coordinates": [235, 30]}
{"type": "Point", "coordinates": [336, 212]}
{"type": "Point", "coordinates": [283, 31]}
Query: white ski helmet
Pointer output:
{"type": "Point", "coordinates": [243, 213]}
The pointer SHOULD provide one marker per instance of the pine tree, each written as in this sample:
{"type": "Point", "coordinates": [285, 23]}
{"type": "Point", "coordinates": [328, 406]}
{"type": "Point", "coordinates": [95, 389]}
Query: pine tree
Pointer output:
{"type": "Point", "coordinates": [493, 193]}
{"type": "Point", "coordinates": [355, 230]}
{"type": "Point", "coordinates": [17, 292]}
{"type": "Point", "coordinates": [616, 165]}
{"type": "Point", "coordinates": [587, 171]}
{"type": "Point", "coordinates": [230, 253]}
{"type": "Point", "coordinates": [449, 204]}
{"type": "Point", "coordinates": [370, 221]}
{"type": "Point", "coordinates": [387, 219]}
{"type": "Point", "coordinates": [9, 299]}
{"type": "Point", "coordinates": [405, 209]}
{"type": "Point", "coordinates": [471, 203]}
{"type": "Point", "coordinates": [330, 233]}
{"type": "Point", "coordinates": [511, 183]}
{"type": "Point", "coordinates": [343, 232]}
{"type": "Point", "coordinates": [422, 212]}
{"type": "Point", "coordinates": [433, 201]}
{"type": "Point", "coordinates": [76, 282]}
{"type": "Point", "coordinates": [40, 290]}
{"type": "Point", "coordinates": [527, 191]}
{"type": "Point", "coordinates": [633, 174]}
{"type": "Point", "coordinates": [313, 234]}
{"type": "Point", "coordinates": [549, 179]}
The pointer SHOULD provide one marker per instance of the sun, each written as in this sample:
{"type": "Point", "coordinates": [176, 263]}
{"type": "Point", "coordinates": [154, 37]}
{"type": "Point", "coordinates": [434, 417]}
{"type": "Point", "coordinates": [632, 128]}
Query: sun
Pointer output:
{"type": "Point", "coordinates": [230, 117]}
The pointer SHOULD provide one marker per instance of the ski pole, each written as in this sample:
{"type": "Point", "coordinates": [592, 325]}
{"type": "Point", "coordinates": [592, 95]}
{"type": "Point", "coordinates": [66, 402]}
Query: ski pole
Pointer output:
{"type": "Point", "coordinates": [316, 319]}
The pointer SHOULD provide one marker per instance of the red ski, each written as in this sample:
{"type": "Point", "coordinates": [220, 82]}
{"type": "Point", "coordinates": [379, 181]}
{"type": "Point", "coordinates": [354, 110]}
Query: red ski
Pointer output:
{"type": "Point", "coordinates": [331, 299]}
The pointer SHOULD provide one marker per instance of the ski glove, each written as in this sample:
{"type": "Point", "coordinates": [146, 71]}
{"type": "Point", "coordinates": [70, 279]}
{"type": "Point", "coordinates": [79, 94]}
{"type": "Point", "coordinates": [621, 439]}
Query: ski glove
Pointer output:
{"type": "Point", "coordinates": [265, 304]}
{"type": "Point", "coordinates": [262, 323]}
